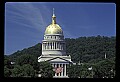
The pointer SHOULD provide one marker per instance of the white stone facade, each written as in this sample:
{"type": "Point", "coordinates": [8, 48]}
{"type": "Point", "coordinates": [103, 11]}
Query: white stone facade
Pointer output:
{"type": "Point", "coordinates": [53, 44]}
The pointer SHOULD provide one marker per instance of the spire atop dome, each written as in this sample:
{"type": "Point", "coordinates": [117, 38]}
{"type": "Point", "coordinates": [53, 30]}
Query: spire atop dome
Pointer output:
{"type": "Point", "coordinates": [53, 12]}
{"type": "Point", "coordinates": [53, 18]}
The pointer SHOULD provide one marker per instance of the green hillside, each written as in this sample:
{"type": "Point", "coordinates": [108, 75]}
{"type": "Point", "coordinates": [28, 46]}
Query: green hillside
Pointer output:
{"type": "Point", "coordinates": [87, 50]}
{"type": "Point", "coordinates": [83, 49]}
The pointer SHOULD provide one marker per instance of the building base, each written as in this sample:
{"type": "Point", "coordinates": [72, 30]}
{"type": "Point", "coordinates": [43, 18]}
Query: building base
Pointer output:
{"type": "Point", "coordinates": [60, 77]}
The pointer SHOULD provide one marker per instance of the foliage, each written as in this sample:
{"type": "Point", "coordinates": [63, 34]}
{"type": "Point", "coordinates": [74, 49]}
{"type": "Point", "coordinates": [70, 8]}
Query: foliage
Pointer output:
{"type": "Point", "coordinates": [85, 49]}
{"type": "Point", "coordinates": [17, 71]}
{"type": "Point", "coordinates": [73, 71]}
{"type": "Point", "coordinates": [102, 69]}
{"type": "Point", "coordinates": [34, 50]}
{"type": "Point", "coordinates": [105, 68]}
{"type": "Point", "coordinates": [28, 70]}
{"type": "Point", "coordinates": [7, 72]}
{"type": "Point", "coordinates": [23, 71]}
{"type": "Point", "coordinates": [7, 62]}
{"type": "Point", "coordinates": [46, 70]}
{"type": "Point", "coordinates": [26, 59]}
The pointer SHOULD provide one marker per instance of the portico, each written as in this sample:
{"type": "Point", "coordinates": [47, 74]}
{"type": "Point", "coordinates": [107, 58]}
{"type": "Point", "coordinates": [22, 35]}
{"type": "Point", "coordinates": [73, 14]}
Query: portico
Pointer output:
{"type": "Point", "coordinates": [62, 72]}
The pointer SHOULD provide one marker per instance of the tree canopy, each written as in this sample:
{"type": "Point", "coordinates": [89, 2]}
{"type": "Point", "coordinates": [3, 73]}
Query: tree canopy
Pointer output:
{"type": "Point", "coordinates": [46, 70]}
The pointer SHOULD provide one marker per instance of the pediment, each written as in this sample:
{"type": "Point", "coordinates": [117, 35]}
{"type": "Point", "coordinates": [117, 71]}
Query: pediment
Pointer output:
{"type": "Point", "coordinates": [58, 59]}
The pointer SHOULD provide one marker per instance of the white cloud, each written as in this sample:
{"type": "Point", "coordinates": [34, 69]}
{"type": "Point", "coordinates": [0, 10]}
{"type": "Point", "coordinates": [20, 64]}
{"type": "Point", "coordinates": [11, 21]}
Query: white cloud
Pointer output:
{"type": "Point", "coordinates": [32, 15]}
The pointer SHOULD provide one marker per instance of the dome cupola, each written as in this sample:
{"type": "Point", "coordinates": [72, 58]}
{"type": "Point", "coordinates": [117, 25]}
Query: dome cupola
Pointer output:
{"type": "Point", "coordinates": [53, 28]}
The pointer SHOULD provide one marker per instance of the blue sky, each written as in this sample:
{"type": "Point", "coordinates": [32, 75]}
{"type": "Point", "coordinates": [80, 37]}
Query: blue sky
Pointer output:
{"type": "Point", "coordinates": [25, 22]}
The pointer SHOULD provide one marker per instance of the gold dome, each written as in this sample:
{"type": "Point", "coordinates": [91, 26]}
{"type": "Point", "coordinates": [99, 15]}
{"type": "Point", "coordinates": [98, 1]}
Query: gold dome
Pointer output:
{"type": "Point", "coordinates": [53, 28]}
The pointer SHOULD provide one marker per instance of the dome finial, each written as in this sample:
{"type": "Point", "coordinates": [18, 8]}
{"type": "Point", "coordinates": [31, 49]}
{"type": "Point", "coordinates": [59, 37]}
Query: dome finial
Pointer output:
{"type": "Point", "coordinates": [53, 13]}
{"type": "Point", "coordinates": [53, 18]}
{"type": "Point", "coordinates": [53, 10]}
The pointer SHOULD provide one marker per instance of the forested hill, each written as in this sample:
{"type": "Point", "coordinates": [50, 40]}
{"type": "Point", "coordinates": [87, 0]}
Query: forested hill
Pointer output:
{"type": "Point", "coordinates": [82, 49]}
{"type": "Point", "coordinates": [35, 51]}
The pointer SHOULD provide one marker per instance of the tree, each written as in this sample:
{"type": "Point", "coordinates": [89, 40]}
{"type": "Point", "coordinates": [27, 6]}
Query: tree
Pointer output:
{"type": "Point", "coordinates": [34, 50]}
{"type": "Point", "coordinates": [86, 70]}
{"type": "Point", "coordinates": [28, 70]}
{"type": "Point", "coordinates": [46, 70]}
{"type": "Point", "coordinates": [23, 71]}
{"type": "Point", "coordinates": [7, 62]}
{"type": "Point", "coordinates": [105, 68]}
{"type": "Point", "coordinates": [26, 59]}
{"type": "Point", "coordinates": [17, 71]}
{"type": "Point", "coordinates": [7, 72]}
{"type": "Point", "coordinates": [73, 71]}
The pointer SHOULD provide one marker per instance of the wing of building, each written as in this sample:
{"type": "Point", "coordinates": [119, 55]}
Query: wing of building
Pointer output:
{"type": "Point", "coordinates": [54, 48]}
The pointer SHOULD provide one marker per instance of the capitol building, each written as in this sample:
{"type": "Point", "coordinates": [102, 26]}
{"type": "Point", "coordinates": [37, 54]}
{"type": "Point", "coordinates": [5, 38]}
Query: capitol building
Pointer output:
{"type": "Point", "coordinates": [54, 49]}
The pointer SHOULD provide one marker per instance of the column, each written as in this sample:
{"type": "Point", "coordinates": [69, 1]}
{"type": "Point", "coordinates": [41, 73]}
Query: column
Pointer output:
{"type": "Point", "coordinates": [65, 70]}
{"type": "Point", "coordinates": [48, 45]}
{"type": "Point", "coordinates": [45, 46]}
{"type": "Point", "coordinates": [59, 45]}
{"type": "Point", "coordinates": [53, 45]}
{"type": "Point", "coordinates": [56, 45]}
{"type": "Point", "coordinates": [62, 70]}
{"type": "Point", "coordinates": [53, 65]}
{"type": "Point", "coordinates": [55, 68]}
{"type": "Point", "coordinates": [58, 67]}
{"type": "Point", "coordinates": [42, 46]}
{"type": "Point", "coordinates": [62, 46]}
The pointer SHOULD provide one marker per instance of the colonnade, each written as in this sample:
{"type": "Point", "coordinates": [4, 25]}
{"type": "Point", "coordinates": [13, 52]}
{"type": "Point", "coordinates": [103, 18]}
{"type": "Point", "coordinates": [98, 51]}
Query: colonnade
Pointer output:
{"type": "Point", "coordinates": [63, 70]}
{"type": "Point", "coordinates": [54, 37]}
{"type": "Point", "coordinates": [53, 46]}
